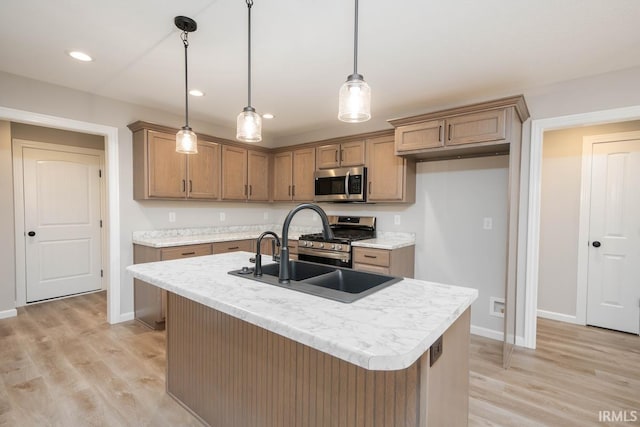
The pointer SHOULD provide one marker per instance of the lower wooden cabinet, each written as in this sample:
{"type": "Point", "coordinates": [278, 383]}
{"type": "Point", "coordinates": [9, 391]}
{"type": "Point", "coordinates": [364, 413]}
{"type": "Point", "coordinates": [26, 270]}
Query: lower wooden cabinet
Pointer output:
{"type": "Point", "coordinates": [150, 302]}
{"type": "Point", "coordinates": [396, 262]}
{"type": "Point", "coordinates": [233, 246]}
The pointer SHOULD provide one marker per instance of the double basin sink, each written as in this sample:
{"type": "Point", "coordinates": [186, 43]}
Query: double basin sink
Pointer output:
{"type": "Point", "coordinates": [336, 283]}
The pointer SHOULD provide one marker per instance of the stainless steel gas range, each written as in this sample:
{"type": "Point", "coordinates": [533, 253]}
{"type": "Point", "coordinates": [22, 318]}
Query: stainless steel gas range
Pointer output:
{"type": "Point", "coordinates": [336, 251]}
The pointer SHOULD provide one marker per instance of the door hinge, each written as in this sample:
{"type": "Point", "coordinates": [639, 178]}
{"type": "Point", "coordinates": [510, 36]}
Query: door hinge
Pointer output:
{"type": "Point", "coordinates": [99, 173]}
{"type": "Point", "coordinates": [100, 223]}
{"type": "Point", "coordinates": [101, 273]}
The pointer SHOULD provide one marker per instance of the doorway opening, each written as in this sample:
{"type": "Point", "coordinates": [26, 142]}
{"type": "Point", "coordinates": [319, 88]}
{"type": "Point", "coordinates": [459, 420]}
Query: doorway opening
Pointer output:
{"type": "Point", "coordinates": [533, 266]}
{"type": "Point", "coordinates": [110, 134]}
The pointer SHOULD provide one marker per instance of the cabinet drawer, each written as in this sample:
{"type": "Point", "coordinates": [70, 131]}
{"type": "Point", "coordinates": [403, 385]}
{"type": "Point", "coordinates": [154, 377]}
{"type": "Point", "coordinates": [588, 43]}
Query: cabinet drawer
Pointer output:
{"type": "Point", "coordinates": [237, 245]}
{"type": "Point", "coordinates": [371, 268]}
{"type": "Point", "coordinates": [178, 252]}
{"type": "Point", "coordinates": [371, 256]}
{"type": "Point", "coordinates": [479, 127]}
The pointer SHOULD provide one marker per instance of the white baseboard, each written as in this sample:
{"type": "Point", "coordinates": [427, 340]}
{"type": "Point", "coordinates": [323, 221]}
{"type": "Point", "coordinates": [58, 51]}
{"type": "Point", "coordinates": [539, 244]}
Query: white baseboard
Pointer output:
{"type": "Point", "coordinates": [494, 335]}
{"type": "Point", "coordinates": [8, 313]}
{"type": "Point", "coordinates": [560, 317]}
{"type": "Point", "coordinates": [124, 317]}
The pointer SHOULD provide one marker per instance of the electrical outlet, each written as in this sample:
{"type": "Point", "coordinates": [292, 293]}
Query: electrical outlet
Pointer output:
{"type": "Point", "coordinates": [397, 220]}
{"type": "Point", "coordinates": [487, 223]}
{"type": "Point", "coordinates": [496, 306]}
{"type": "Point", "coordinates": [172, 217]}
{"type": "Point", "coordinates": [223, 216]}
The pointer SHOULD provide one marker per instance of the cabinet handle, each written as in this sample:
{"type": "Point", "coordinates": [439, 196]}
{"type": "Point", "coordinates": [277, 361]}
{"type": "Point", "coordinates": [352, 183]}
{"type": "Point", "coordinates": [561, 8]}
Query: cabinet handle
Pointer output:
{"type": "Point", "coordinates": [184, 186]}
{"type": "Point", "coordinates": [188, 253]}
{"type": "Point", "coordinates": [341, 156]}
{"type": "Point", "coordinates": [293, 190]}
{"type": "Point", "coordinates": [234, 247]}
{"type": "Point", "coordinates": [245, 189]}
{"type": "Point", "coordinates": [250, 190]}
{"type": "Point", "coordinates": [449, 133]}
{"type": "Point", "coordinates": [371, 256]}
{"type": "Point", "coordinates": [289, 191]}
{"type": "Point", "coordinates": [440, 134]}
{"type": "Point", "coordinates": [336, 153]}
{"type": "Point", "coordinates": [190, 186]}
{"type": "Point", "coordinates": [369, 187]}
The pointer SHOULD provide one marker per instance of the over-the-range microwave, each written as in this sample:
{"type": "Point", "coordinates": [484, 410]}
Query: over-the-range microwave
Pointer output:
{"type": "Point", "coordinates": [341, 185]}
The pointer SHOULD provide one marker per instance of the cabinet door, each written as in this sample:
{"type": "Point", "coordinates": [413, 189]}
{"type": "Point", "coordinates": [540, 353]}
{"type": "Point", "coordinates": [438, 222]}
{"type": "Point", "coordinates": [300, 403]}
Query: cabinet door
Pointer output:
{"type": "Point", "coordinates": [477, 127]}
{"type": "Point", "coordinates": [385, 170]}
{"type": "Point", "coordinates": [258, 175]}
{"type": "Point", "coordinates": [352, 153]}
{"type": "Point", "coordinates": [328, 156]}
{"type": "Point", "coordinates": [234, 173]}
{"type": "Point", "coordinates": [167, 169]}
{"type": "Point", "coordinates": [204, 171]}
{"type": "Point", "coordinates": [420, 136]}
{"type": "Point", "coordinates": [282, 176]}
{"type": "Point", "coordinates": [303, 188]}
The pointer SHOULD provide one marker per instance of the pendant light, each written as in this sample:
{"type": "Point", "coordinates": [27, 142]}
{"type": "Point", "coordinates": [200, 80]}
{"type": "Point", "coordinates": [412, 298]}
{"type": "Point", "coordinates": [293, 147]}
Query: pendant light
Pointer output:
{"type": "Point", "coordinates": [249, 123]}
{"type": "Point", "coordinates": [355, 94]}
{"type": "Point", "coordinates": [186, 139]}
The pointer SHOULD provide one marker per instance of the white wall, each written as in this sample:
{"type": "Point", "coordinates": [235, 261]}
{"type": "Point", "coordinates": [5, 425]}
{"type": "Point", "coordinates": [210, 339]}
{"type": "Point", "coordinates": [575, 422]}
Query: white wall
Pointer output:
{"type": "Point", "coordinates": [560, 214]}
{"type": "Point", "coordinates": [7, 251]}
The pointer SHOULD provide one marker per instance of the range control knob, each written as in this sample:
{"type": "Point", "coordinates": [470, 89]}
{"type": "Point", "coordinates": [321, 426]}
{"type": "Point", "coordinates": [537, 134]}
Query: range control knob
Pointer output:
{"type": "Point", "coordinates": [333, 246]}
{"type": "Point", "coordinates": [339, 247]}
{"type": "Point", "coordinates": [321, 245]}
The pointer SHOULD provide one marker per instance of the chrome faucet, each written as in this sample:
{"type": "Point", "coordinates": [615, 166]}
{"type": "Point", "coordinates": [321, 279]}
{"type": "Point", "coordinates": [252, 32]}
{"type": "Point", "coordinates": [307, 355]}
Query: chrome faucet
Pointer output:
{"type": "Point", "coordinates": [327, 233]}
{"type": "Point", "coordinates": [257, 271]}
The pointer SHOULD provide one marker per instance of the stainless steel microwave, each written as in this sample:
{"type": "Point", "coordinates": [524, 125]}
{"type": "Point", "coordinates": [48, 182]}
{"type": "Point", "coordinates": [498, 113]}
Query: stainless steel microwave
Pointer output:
{"type": "Point", "coordinates": [341, 185]}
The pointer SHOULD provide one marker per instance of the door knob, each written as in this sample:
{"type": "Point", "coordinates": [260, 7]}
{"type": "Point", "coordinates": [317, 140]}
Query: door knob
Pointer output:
{"type": "Point", "coordinates": [31, 233]}
{"type": "Point", "coordinates": [596, 244]}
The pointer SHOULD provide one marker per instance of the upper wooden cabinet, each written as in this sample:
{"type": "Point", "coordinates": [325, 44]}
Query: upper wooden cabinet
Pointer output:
{"type": "Point", "coordinates": [161, 173]}
{"type": "Point", "coordinates": [478, 129]}
{"type": "Point", "coordinates": [345, 154]}
{"type": "Point", "coordinates": [245, 174]}
{"type": "Point", "coordinates": [390, 178]}
{"type": "Point", "coordinates": [293, 175]}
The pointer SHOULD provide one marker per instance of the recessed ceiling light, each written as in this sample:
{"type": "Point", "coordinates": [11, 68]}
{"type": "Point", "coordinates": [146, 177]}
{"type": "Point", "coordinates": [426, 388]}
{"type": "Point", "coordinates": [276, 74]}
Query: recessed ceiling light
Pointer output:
{"type": "Point", "coordinates": [196, 92]}
{"type": "Point", "coordinates": [268, 116]}
{"type": "Point", "coordinates": [80, 56]}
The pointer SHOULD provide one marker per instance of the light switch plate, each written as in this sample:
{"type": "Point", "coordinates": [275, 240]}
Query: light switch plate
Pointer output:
{"type": "Point", "coordinates": [397, 220]}
{"type": "Point", "coordinates": [172, 217]}
{"type": "Point", "coordinates": [223, 216]}
{"type": "Point", "coordinates": [487, 223]}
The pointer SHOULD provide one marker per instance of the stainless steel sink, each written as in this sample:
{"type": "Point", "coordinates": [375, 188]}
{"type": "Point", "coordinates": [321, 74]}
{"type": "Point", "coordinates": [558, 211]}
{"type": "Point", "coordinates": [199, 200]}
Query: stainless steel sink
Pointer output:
{"type": "Point", "coordinates": [339, 284]}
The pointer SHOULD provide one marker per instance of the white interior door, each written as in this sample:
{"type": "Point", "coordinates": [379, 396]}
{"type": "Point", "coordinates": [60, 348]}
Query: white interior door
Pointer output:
{"type": "Point", "coordinates": [613, 295]}
{"type": "Point", "coordinates": [62, 223]}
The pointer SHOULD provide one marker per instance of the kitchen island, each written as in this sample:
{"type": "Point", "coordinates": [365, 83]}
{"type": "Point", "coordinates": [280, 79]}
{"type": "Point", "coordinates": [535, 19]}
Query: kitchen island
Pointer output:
{"type": "Point", "coordinates": [243, 353]}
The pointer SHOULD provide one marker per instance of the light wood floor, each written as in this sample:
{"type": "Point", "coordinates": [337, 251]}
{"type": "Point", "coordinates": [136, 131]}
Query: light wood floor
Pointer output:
{"type": "Point", "coordinates": [61, 364]}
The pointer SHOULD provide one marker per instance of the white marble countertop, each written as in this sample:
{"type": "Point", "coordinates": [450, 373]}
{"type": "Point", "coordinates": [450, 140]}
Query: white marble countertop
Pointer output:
{"type": "Point", "coordinates": [388, 330]}
{"type": "Point", "coordinates": [195, 236]}
{"type": "Point", "coordinates": [387, 240]}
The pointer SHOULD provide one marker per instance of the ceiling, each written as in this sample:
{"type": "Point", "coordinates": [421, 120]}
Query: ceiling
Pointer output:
{"type": "Point", "coordinates": [416, 55]}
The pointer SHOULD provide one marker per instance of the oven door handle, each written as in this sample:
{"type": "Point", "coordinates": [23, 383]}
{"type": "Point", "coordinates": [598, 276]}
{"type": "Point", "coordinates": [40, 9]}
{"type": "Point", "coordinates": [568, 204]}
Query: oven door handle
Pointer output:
{"type": "Point", "coordinates": [346, 184]}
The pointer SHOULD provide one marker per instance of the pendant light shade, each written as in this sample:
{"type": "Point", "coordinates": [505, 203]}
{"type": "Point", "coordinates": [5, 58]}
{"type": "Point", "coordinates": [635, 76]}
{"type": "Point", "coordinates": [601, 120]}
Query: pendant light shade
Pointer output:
{"type": "Point", "coordinates": [249, 123]}
{"type": "Point", "coordinates": [355, 100]}
{"type": "Point", "coordinates": [249, 126]}
{"type": "Point", "coordinates": [186, 139]}
{"type": "Point", "coordinates": [354, 103]}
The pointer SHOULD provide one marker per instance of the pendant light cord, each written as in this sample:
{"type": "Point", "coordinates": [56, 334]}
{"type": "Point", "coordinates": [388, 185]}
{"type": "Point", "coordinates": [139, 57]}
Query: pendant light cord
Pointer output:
{"type": "Point", "coordinates": [185, 41]}
{"type": "Point", "coordinates": [355, 42]}
{"type": "Point", "coordinates": [249, 4]}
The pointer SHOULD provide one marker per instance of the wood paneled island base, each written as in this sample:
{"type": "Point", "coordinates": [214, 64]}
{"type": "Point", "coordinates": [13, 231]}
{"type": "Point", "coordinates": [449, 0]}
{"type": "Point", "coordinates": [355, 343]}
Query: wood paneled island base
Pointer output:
{"type": "Point", "coordinates": [231, 373]}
